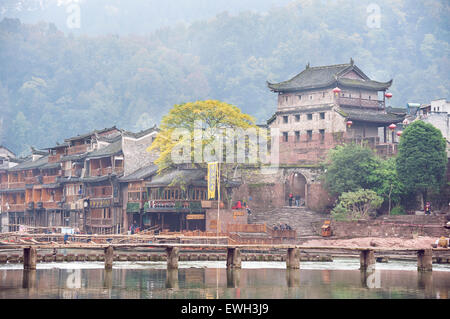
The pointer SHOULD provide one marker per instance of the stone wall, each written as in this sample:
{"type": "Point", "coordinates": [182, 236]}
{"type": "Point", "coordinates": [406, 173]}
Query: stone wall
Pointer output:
{"type": "Point", "coordinates": [399, 226]}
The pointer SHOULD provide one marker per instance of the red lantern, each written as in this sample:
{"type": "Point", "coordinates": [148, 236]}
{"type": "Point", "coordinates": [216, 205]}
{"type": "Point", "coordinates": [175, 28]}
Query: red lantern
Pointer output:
{"type": "Point", "coordinates": [392, 127]}
{"type": "Point", "coordinates": [337, 90]}
{"type": "Point", "coordinates": [388, 95]}
{"type": "Point", "coordinates": [399, 133]}
{"type": "Point", "coordinates": [349, 124]}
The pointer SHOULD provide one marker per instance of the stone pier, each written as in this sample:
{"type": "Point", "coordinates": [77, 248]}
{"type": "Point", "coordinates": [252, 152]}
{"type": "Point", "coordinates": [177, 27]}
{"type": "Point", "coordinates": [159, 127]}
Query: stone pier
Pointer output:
{"type": "Point", "coordinates": [233, 258]}
{"type": "Point", "coordinates": [425, 260]}
{"type": "Point", "coordinates": [109, 257]}
{"type": "Point", "coordinates": [293, 258]}
{"type": "Point", "coordinates": [29, 258]}
{"type": "Point", "coordinates": [172, 257]}
{"type": "Point", "coordinates": [367, 260]}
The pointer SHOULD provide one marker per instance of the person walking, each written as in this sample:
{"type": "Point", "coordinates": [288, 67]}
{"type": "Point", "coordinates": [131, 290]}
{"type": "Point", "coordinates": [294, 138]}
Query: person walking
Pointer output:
{"type": "Point", "coordinates": [297, 201]}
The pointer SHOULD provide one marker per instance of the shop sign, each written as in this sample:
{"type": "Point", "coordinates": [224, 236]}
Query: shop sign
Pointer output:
{"type": "Point", "coordinates": [195, 216]}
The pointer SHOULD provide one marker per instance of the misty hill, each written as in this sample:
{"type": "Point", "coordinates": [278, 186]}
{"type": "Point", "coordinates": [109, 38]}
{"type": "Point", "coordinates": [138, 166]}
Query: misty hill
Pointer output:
{"type": "Point", "coordinates": [54, 85]}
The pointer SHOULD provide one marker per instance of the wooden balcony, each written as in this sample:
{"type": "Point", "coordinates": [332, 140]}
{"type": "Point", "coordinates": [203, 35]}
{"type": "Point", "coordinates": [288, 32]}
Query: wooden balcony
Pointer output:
{"type": "Point", "coordinates": [54, 158]}
{"type": "Point", "coordinates": [106, 171]}
{"type": "Point", "coordinates": [16, 185]}
{"type": "Point", "coordinates": [360, 102]}
{"type": "Point", "coordinates": [51, 205]}
{"type": "Point", "coordinates": [99, 192]}
{"type": "Point", "coordinates": [14, 207]}
{"type": "Point", "coordinates": [49, 179]}
{"type": "Point", "coordinates": [386, 149]}
{"type": "Point", "coordinates": [31, 180]}
{"type": "Point", "coordinates": [172, 205]}
{"type": "Point", "coordinates": [77, 149]}
{"type": "Point", "coordinates": [371, 142]}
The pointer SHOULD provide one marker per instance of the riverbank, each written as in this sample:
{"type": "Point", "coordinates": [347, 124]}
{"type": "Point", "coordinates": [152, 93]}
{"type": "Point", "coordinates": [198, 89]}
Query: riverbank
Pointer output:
{"type": "Point", "coordinates": [390, 242]}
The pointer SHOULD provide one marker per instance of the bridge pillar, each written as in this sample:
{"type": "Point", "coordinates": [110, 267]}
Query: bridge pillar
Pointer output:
{"type": "Point", "coordinates": [233, 258]}
{"type": "Point", "coordinates": [425, 260]}
{"type": "Point", "coordinates": [172, 257]}
{"type": "Point", "coordinates": [367, 260]}
{"type": "Point", "coordinates": [29, 258]}
{"type": "Point", "coordinates": [109, 256]}
{"type": "Point", "coordinates": [292, 258]}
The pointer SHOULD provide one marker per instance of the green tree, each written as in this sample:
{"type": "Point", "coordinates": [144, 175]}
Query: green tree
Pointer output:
{"type": "Point", "coordinates": [386, 182]}
{"type": "Point", "coordinates": [349, 168]}
{"type": "Point", "coordinates": [356, 205]}
{"type": "Point", "coordinates": [422, 158]}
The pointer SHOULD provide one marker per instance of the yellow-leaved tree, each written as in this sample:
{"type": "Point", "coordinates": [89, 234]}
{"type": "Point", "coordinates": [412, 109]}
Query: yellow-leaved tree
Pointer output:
{"type": "Point", "coordinates": [189, 132]}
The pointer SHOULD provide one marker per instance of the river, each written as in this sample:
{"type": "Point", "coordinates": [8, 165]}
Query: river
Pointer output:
{"type": "Point", "coordinates": [211, 280]}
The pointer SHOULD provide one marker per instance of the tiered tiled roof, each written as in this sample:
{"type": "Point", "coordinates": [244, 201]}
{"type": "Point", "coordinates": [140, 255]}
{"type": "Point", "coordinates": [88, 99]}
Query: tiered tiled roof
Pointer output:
{"type": "Point", "coordinates": [328, 76]}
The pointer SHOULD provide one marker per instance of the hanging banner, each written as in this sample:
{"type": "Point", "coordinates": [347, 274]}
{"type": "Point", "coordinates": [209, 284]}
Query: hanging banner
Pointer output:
{"type": "Point", "coordinates": [212, 179]}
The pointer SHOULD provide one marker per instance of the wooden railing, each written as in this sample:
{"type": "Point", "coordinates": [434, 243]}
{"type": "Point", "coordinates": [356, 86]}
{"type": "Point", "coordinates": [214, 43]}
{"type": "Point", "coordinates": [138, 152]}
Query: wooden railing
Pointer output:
{"type": "Point", "coordinates": [49, 179]}
{"type": "Point", "coordinates": [99, 192]}
{"type": "Point", "coordinates": [54, 158]}
{"type": "Point", "coordinates": [106, 171]}
{"type": "Point", "coordinates": [14, 207]}
{"type": "Point", "coordinates": [386, 149]}
{"type": "Point", "coordinates": [51, 205]}
{"type": "Point", "coordinates": [370, 141]}
{"type": "Point", "coordinates": [16, 185]}
{"type": "Point", "coordinates": [77, 149]}
{"type": "Point", "coordinates": [289, 234]}
{"type": "Point", "coordinates": [247, 228]}
{"type": "Point", "coordinates": [360, 102]}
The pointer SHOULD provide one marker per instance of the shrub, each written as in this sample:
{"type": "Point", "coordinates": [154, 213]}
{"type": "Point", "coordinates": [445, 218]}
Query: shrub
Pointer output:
{"type": "Point", "coordinates": [356, 205]}
{"type": "Point", "coordinates": [398, 210]}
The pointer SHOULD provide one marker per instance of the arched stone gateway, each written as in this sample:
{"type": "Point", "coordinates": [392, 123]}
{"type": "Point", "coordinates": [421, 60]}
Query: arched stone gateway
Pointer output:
{"type": "Point", "coordinates": [297, 185]}
{"type": "Point", "coordinates": [271, 190]}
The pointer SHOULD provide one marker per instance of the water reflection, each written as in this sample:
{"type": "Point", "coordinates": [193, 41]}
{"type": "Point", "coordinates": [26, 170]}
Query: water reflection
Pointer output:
{"type": "Point", "coordinates": [293, 277]}
{"type": "Point", "coordinates": [172, 278]}
{"type": "Point", "coordinates": [233, 278]}
{"type": "Point", "coordinates": [149, 281]}
{"type": "Point", "coordinates": [371, 278]}
{"type": "Point", "coordinates": [29, 279]}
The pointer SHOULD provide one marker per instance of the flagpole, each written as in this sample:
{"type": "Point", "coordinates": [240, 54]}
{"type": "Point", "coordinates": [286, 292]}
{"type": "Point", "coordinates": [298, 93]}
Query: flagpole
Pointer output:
{"type": "Point", "coordinates": [218, 225]}
{"type": "Point", "coordinates": [218, 201]}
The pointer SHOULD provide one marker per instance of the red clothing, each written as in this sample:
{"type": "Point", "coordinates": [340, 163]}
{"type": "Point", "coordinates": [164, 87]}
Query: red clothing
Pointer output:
{"type": "Point", "coordinates": [238, 205]}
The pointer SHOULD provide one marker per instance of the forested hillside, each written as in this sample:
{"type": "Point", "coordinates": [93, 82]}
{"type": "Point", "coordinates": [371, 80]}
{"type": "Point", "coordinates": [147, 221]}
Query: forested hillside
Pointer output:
{"type": "Point", "coordinates": [54, 85]}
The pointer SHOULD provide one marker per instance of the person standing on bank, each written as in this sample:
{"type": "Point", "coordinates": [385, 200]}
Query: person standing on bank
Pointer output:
{"type": "Point", "coordinates": [291, 196]}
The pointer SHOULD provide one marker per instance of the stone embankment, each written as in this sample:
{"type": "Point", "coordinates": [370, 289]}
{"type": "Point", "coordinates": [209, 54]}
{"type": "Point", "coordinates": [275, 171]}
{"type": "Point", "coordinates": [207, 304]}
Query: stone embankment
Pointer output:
{"type": "Point", "coordinates": [18, 258]}
{"type": "Point", "coordinates": [308, 224]}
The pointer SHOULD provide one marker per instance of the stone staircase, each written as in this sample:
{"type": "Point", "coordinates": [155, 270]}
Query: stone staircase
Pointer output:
{"type": "Point", "coordinates": [300, 219]}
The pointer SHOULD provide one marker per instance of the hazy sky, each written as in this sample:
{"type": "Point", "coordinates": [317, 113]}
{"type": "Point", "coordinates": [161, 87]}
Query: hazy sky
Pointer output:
{"type": "Point", "coordinates": [125, 16]}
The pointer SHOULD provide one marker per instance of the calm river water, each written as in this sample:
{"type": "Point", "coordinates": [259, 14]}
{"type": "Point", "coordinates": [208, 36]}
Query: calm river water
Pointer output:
{"type": "Point", "coordinates": [210, 279]}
